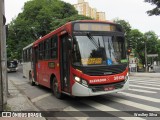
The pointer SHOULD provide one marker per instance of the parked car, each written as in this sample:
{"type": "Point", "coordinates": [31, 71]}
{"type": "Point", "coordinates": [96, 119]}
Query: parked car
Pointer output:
{"type": "Point", "coordinates": [12, 66]}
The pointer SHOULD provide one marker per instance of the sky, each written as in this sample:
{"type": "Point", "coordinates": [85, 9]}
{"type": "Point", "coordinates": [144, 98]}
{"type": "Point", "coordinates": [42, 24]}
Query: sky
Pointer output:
{"type": "Point", "coordinates": [132, 11]}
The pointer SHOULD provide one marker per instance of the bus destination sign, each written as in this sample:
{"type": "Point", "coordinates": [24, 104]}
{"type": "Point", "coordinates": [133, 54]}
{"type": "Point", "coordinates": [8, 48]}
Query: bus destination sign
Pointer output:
{"type": "Point", "coordinates": [94, 27]}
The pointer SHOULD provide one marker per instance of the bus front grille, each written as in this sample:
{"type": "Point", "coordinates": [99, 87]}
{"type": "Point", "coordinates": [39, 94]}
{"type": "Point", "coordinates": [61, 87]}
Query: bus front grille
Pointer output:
{"type": "Point", "coordinates": [104, 70]}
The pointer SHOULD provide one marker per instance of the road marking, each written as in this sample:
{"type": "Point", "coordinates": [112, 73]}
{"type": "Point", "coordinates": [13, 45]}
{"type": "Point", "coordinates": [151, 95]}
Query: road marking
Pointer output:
{"type": "Point", "coordinates": [139, 90]}
{"type": "Point", "coordinates": [141, 97]}
{"type": "Point", "coordinates": [148, 84]}
{"type": "Point", "coordinates": [139, 86]}
{"type": "Point", "coordinates": [40, 97]}
{"type": "Point", "coordinates": [105, 108]}
{"type": "Point", "coordinates": [134, 104]}
{"type": "Point", "coordinates": [73, 109]}
{"type": "Point", "coordinates": [145, 82]}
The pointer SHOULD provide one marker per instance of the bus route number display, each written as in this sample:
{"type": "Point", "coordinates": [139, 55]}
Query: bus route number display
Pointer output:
{"type": "Point", "coordinates": [91, 61]}
{"type": "Point", "coordinates": [94, 27]}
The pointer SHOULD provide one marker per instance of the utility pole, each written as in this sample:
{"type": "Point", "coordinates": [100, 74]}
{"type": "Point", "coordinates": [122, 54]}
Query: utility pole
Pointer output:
{"type": "Point", "coordinates": [3, 63]}
{"type": "Point", "coordinates": [146, 56]}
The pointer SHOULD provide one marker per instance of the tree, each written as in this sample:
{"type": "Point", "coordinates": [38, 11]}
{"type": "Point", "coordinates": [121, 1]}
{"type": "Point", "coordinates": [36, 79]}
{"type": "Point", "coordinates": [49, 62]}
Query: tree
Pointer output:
{"type": "Point", "coordinates": [151, 40]}
{"type": "Point", "coordinates": [156, 10]}
{"type": "Point", "coordinates": [38, 18]}
{"type": "Point", "coordinates": [137, 39]}
{"type": "Point", "coordinates": [126, 27]}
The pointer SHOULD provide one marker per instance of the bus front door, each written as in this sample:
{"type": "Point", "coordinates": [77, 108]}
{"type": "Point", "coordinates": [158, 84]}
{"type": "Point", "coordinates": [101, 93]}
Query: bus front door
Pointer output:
{"type": "Point", "coordinates": [64, 63]}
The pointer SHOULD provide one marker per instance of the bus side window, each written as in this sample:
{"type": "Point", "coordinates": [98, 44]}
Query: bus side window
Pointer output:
{"type": "Point", "coordinates": [41, 51]}
{"type": "Point", "coordinates": [53, 49]}
{"type": "Point", "coordinates": [47, 48]}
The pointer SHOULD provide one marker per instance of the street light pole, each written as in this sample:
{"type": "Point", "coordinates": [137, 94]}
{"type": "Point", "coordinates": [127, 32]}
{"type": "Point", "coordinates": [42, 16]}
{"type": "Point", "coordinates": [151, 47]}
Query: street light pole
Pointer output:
{"type": "Point", "coordinates": [1, 80]}
{"type": "Point", "coordinates": [3, 63]}
{"type": "Point", "coordinates": [146, 56]}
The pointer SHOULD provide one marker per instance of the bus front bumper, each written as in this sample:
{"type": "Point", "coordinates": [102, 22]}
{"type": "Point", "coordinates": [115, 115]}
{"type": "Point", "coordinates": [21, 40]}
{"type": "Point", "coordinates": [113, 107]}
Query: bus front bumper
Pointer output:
{"type": "Point", "coordinates": [80, 90]}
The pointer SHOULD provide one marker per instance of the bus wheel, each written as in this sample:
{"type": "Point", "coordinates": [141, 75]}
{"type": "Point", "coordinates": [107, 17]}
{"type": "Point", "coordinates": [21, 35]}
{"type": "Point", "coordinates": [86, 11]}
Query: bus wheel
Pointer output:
{"type": "Point", "coordinates": [31, 80]}
{"type": "Point", "coordinates": [55, 89]}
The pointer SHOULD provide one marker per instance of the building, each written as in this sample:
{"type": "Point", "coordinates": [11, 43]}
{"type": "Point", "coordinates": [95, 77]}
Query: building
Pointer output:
{"type": "Point", "coordinates": [83, 8]}
{"type": "Point", "coordinates": [94, 13]}
{"type": "Point", "coordinates": [101, 16]}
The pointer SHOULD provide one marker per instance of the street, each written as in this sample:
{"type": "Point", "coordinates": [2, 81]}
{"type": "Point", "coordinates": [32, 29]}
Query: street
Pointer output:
{"type": "Point", "coordinates": [143, 95]}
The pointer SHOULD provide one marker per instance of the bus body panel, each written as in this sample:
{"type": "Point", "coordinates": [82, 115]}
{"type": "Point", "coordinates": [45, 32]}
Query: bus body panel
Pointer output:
{"type": "Point", "coordinates": [80, 90]}
{"type": "Point", "coordinates": [44, 69]}
{"type": "Point", "coordinates": [27, 60]}
{"type": "Point", "coordinates": [26, 69]}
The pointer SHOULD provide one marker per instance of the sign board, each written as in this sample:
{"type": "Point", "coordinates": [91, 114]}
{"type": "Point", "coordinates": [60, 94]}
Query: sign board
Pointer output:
{"type": "Point", "coordinates": [152, 55]}
{"type": "Point", "coordinates": [132, 65]}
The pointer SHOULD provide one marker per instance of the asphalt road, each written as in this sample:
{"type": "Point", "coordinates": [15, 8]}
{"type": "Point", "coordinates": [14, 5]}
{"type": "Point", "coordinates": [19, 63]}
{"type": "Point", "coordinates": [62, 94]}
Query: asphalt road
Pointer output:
{"type": "Point", "coordinates": [143, 95]}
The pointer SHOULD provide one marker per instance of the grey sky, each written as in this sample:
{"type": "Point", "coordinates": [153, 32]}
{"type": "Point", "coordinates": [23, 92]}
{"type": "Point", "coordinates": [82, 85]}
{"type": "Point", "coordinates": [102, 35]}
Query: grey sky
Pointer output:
{"type": "Point", "coordinates": [133, 11]}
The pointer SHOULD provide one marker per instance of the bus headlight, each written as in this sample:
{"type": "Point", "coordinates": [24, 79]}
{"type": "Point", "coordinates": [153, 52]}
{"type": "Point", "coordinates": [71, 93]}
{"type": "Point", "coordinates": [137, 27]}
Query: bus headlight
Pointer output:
{"type": "Point", "coordinates": [81, 81]}
{"type": "Point", "coordinates": [77, 79]}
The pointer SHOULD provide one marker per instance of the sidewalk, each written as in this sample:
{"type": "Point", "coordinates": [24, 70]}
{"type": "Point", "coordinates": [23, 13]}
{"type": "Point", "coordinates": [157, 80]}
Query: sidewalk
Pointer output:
{"type": "Point", "coordinates": [16, 101]}
{"type": "Point", "coordinates": [152, 75]}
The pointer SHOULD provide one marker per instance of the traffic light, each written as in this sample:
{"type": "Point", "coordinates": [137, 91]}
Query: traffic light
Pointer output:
{"type": "Point", "coordinates": [129, 50]}
{"type": "Point", "coordinates": [129, 43]}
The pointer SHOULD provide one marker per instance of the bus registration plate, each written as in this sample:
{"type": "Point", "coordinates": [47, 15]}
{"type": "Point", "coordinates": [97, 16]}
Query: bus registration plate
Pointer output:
{"type": "Point", "coordinates": [109, 88]}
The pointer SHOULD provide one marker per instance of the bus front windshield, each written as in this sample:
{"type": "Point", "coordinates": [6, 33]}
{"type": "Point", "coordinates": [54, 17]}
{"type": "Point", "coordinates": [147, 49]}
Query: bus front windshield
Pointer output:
{"type": "Point", "coordinates": [98, 50]}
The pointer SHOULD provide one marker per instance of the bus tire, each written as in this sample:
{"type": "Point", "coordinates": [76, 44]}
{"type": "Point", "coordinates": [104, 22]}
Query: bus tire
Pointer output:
{"type": "Point", "coordinates": [31, 79]}
{"type": "Point", "coordinates": [55, 89]}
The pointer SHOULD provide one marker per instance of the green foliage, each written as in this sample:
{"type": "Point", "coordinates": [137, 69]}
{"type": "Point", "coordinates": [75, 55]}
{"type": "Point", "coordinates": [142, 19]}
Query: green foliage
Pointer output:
{"type": "Point", "coordinates": [138, 40]}
{"type": "Point", "coordinates": [156, 10]}
{"type": "Point", "coordinates": [126, 26]}
{"type": "Point", "coordinates": [38, 18]}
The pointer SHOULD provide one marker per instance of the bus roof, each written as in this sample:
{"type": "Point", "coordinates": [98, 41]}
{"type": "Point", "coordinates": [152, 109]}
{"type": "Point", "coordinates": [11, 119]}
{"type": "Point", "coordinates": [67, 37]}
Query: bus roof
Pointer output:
{"type": "Point", "coordinates": [28, 46]}
{"type": "Point", "coordinates": [66, 26]}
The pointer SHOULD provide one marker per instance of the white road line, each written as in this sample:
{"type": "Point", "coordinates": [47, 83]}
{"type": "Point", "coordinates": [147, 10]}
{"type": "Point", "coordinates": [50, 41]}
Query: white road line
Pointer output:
{"type": "Point", "coordinates": [139, 90]}
{"type": "Point", "coordinates": [104, 108]}
{"type": "Point", "coordinates": [141, 97]}
{"type": "Point", "coordinates": [148, 84]}
{"type": "Point", "coordinates": [139, 86]}
{"type": "Point", "coordinates": [134, 104]}
{"type": "Point", "coordinates": [145, 82]}
{"type": "Point", "coordinates": [40, 97]}
{"type": "Point", "coordinates": [70, 108]}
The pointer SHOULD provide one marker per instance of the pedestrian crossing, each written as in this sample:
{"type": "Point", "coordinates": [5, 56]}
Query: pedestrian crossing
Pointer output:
{"type": "Point", "coordinates": [137, 98]}
{"type": "Point", "coordinates": [141, 86]}
{"type": "Point", "coordinates": [148, 82]}
{"type": "Point", "coordinates": [143, 95]}
{"type": "Point", "coordinates": [140, 90]}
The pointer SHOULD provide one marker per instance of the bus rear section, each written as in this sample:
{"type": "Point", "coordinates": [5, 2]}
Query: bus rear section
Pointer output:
{"type": "Point", "coordinates": [27, 61]}
{"type": "Point", "coordinates": [82, 58]}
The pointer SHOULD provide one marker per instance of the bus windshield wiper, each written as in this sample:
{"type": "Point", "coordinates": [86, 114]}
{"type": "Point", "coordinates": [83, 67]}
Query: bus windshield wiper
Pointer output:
{"type": "Point", "coordinates": [93, 40]}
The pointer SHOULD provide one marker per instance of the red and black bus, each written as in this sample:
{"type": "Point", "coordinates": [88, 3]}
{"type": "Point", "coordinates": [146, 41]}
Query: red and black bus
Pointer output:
{"type": "Point", "coordinates": [81, 58]}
